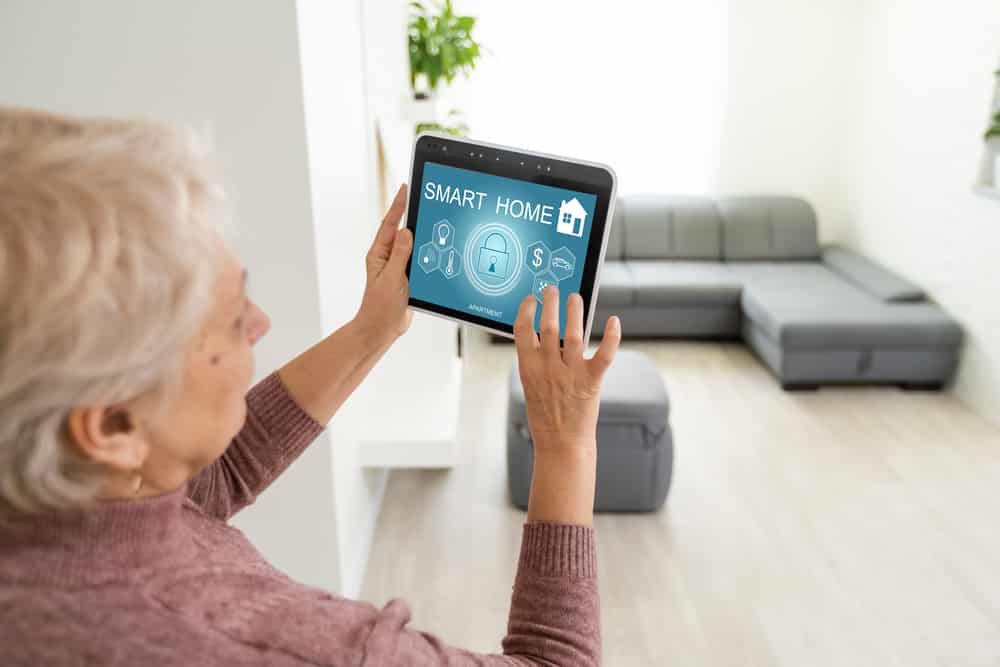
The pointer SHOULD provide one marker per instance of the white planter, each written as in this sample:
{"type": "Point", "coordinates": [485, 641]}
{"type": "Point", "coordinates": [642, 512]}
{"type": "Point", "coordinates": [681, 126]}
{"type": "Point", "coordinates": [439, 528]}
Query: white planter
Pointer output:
{"type": "Point", "coordinates": [996, 170]}
{"type": "Point", "coordinates": [421, 85]}
{"type": "Point", "coordinates": [421, 111]}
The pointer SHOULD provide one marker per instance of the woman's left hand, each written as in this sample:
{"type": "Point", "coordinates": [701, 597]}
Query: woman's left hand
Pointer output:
{"type": "Point", "coordinates": [384, 305]}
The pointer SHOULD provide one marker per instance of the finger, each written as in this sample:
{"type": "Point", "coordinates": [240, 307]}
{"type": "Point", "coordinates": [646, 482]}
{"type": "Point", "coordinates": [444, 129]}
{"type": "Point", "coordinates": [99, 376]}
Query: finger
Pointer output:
{"type": "Point", "coordinates": [401, 249]}
{"type": "Point", "coordinates": [382, 245]}
{"type": "Point", "coordinates": [573, 336]}
{"type": "Point", "coordinates": [606, 351]}
{"type": "Point", "coordinates": [525, 337]}
{"type": "Point", "coordinates": [548, 326]}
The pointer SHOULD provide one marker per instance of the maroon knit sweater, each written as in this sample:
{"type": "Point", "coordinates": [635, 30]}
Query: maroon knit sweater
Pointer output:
{"type": "Point", "coordinates": [165, 581]}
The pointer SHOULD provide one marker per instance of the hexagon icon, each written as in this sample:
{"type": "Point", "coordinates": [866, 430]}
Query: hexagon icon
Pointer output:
{"type": "Point", "coordinates": [542, 281]}
{"type": "Point", "coordinates": [537, 257]}
{"type": "Point", "coordinates": [428, 258]}
{"type": "Point", "coordinates": [563, 263]}
{"type": "Point", "coordinates": [451, 263]}
{"type": "Point", "coordinates": [443, 236]}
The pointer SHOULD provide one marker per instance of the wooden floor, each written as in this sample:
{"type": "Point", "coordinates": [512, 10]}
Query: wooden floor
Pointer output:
{"type": "Point", "coordinates": [854, 526]}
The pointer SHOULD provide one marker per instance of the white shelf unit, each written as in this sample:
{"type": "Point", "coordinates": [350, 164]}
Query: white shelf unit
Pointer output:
{"type": "Point", "coordinates": [987, 191]}
{"type": "Point", "coordinates": [418, 384]}
{"type": "Point", "coordinates": [419, 391]}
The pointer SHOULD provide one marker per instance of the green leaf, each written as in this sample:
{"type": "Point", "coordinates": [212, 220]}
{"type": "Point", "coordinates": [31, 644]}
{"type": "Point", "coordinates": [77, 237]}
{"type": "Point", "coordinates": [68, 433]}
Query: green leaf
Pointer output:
{"type": "Point", "coordinates": [440, 43]}
{"type": "Point", "coordinates": [459, 130]}
{"type": "Point", "coordinates": [448, 57]}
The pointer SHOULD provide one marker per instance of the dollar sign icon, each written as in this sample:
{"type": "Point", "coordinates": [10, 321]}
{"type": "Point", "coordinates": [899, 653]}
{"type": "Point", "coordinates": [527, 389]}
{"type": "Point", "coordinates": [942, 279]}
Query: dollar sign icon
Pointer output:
{"type": "Point", "coordinates": [537, 261]}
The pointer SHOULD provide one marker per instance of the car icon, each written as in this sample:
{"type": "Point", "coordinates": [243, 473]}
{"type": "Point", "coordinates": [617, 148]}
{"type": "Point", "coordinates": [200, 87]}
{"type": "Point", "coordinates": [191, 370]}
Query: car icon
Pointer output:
{"type": "Point", "coordinates": [562, 264]}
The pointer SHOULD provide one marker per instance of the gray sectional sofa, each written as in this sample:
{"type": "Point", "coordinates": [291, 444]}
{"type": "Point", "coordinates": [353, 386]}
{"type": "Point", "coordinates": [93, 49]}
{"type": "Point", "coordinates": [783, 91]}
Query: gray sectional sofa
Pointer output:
{"type": "Point", "coordinates": [752, 268]}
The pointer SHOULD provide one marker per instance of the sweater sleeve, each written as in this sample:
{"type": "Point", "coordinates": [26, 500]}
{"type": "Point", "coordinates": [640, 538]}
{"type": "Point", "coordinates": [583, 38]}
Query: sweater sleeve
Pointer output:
{"type": "Point", "coordinates": [554, 615]}
{"type": "Point", "coordinates": [275, 432]}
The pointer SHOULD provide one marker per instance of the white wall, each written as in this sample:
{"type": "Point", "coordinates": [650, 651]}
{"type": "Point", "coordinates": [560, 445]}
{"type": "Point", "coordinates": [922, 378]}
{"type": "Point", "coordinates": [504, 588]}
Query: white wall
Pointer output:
{"type": "Point", "coordinates": [925, 88]}
{"type": "Point", "coordinates": [339, 131]}
{"type": "Point", "coordinates": [234, 67]}
{"type": "Point", "coordinates": [789, 91]}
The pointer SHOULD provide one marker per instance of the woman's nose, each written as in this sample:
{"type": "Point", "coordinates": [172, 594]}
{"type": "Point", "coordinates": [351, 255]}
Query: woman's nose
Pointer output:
{"type": "Point", "coordinates": [258, 324]}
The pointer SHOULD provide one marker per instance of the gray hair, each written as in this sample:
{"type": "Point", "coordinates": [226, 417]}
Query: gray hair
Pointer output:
{"type": "Point", "coordinates": [108, 258]}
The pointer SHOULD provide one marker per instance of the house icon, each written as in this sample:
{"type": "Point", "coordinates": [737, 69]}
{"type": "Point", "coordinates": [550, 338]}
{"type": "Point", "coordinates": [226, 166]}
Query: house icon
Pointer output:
{"type": "Point", "coordinates": [571, 218]}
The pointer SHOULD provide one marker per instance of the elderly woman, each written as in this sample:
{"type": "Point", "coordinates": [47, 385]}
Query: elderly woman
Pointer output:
{"type": "Point", "coordinates": [129, 433]}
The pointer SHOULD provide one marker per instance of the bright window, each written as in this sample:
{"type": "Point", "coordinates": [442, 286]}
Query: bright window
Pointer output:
{"type": "Point", "coordinates": [651, 77]}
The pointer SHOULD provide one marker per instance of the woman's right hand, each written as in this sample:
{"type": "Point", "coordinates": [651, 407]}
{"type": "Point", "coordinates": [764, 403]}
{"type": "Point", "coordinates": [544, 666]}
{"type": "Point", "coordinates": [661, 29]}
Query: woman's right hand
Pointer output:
{"type": "Point", "coordinates": [562, 392]}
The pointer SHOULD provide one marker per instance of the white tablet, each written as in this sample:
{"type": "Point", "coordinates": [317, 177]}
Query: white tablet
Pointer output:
{"type": "Point", "coordinates": [492, 224]}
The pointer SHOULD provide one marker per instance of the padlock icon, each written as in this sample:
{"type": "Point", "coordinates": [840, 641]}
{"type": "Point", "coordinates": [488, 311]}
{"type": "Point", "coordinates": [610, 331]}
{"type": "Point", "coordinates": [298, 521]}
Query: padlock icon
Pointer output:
{"type": "Point", "coordinates": [493, 257]}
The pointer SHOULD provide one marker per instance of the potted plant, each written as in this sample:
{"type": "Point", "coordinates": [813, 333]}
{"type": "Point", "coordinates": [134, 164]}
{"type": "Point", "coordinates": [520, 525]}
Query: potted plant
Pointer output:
{"type": "Point", "coordinates": [994, 129]}
{"type": "Point", "coordinates": [441, 46]}
{"type": "Point", "coordinates": [454, 125]}
{"type": "Point", "coordinates": [992, 137]}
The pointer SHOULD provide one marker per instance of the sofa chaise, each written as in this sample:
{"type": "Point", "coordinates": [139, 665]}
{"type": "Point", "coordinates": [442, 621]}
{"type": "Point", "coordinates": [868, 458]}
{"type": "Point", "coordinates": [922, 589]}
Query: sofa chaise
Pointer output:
{"type": "Point", "coordinates": [752, 268]}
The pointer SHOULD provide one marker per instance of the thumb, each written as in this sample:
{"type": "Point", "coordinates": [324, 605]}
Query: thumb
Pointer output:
{"type": "Point", "coordinates": [401, 248]}
{"type": "Point", "coordinates": [605, 354]}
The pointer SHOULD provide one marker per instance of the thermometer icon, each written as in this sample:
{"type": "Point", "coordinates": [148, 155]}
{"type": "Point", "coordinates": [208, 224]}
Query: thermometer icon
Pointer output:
{"type": "Point", "coordinates": [451, 263]}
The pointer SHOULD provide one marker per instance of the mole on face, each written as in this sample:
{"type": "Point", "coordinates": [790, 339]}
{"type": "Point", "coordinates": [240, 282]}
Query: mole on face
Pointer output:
{"type": "Point", "coordinates": [214, 360]}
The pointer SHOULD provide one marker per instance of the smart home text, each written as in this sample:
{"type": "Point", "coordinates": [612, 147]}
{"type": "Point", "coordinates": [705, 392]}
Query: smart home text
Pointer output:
{"type": "Point", "coordinates": [570, 215]}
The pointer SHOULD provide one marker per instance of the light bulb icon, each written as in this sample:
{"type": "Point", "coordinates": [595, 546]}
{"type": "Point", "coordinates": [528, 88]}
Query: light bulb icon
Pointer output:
{"type": "Point", "coordinates": [443, 232]}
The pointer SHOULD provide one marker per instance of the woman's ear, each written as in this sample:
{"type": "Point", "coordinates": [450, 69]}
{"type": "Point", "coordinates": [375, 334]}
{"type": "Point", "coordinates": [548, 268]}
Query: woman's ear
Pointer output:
{"type": "Point", "coordinates": [108, 435]}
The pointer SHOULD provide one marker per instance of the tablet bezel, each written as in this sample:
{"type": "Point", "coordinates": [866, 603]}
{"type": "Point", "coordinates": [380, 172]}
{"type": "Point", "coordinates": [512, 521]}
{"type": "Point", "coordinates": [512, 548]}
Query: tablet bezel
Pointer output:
{"type": "Point", "coordinates": [532, 167]}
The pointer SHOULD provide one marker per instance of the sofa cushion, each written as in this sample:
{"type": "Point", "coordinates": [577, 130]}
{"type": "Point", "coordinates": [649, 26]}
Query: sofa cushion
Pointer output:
{"type": "Point", "coordinates": [768, 228]}
{"type": "Point", "coordinates": [791, 280]}
{"type": "Point", "coordinates": [806, 305]}
{"type": "Point", "coordinates": [869, 276]}
{"type": "Point", "coordinates": [684, 283]}
{"type": "Point", "coordinates": [666, 227]}
{"type": "Point", "coordinates": [617, 286]}
{"type": "Point", "coordinates": [616, 238]}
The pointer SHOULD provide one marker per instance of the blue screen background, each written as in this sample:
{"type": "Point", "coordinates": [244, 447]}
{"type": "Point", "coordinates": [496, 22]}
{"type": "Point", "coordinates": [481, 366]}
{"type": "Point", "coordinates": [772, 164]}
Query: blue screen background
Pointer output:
{"type": "Point", "coordinates": [469, 234]}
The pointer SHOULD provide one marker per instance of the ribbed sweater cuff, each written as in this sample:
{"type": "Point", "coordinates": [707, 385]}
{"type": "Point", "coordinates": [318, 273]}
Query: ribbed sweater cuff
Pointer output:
{"type": "Point", "coordinates": [559, 550]}
{"type": "Point", "coordinates": [285, 420]}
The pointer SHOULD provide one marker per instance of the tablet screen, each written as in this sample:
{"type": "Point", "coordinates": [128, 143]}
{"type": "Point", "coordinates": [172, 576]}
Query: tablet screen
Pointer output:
{"type": "Point", "coordinates": [482, 242]}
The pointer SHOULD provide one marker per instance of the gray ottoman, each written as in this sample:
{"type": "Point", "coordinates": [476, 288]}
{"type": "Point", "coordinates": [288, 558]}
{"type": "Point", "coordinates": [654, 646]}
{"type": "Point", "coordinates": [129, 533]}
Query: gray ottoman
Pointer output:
{"type": "Point", "coordinates": [635, 451]}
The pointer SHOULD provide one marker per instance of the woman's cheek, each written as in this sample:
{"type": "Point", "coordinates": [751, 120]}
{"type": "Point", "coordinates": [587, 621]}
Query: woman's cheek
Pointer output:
{"type": "Point", "coordinates": [235, 374]}
{"type": "Point", "coordinates": [233, 371]}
